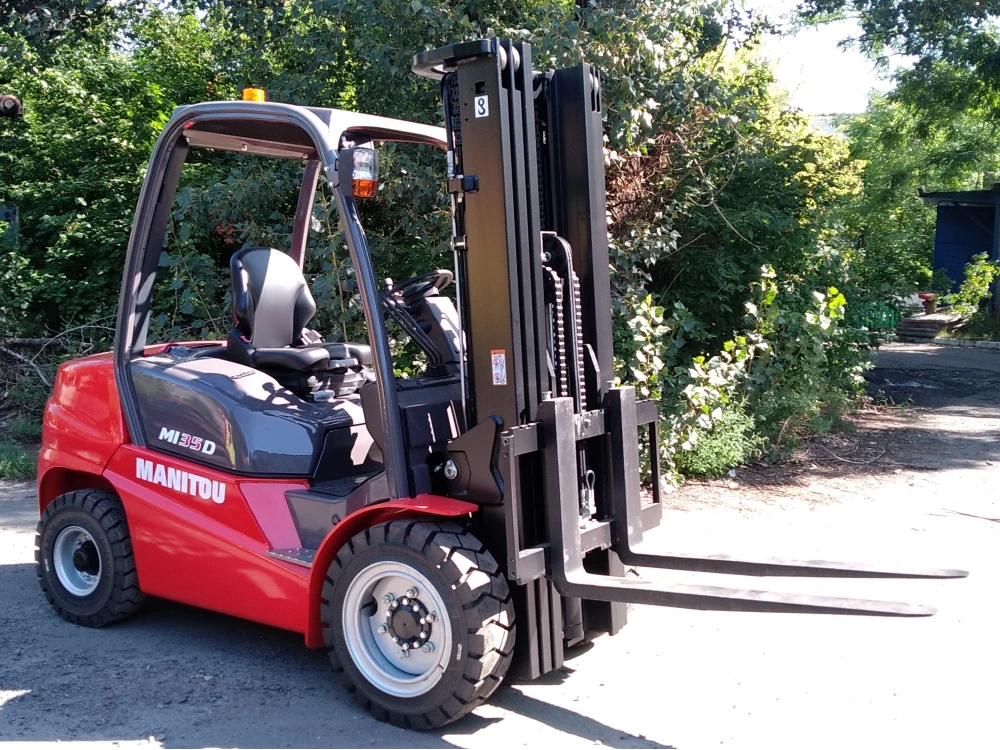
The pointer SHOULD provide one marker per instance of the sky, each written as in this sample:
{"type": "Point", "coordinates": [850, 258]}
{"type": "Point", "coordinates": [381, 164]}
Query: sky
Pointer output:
{"type": "Point", "coordinates": [820, 77]}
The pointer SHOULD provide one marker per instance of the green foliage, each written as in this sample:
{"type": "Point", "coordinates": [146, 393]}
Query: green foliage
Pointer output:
{"type": "Point", "coordinates": [981, 326]}
{"type": "Point", "coordinates": [730, 442]}
{"type": "Point", "coordinates": [943, 28]}
{"type": "Point", "coordinates": [941, 283]}
{"type": "Point", "coordinates": [16, 461]}
{"type": "Point", "coordinates": [19, 437]}
{"type": "Point", "coordinates": [937, 127]}
{"type": "Point", "coordinates": [795, 366]}
{"type": "Point", "coordinates": [711, 177]}
{"type": "Point", "coordinates": [805, 346]}
{"type": "Point", "coordinates": [959, 39]}
{"type": "Point", "coordinates": [74, 164]}
{"type": "Point", "coordinates": [975, 288]}
{"type": "Point", "coordinates": [24, 429]}
{"type": "Point", "coordinates": [890, 227]}
{"type": "Point", "coordinates": [38, 28]}
{"type": "Point", "coordinates": [770, 182]}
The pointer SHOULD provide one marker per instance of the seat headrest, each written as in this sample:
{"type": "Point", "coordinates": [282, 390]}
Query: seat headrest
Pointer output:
{"type": "Point", "coordinates": [271, 300]}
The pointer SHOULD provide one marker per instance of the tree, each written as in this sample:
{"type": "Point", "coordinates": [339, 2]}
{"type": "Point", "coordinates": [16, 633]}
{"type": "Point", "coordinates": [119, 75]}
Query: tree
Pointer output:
{"type": "Point", "coordinates": [956, 31]}
{"type": "Point", "coordinates": [956, 44]}
{"type": "Point", "coordinates": [74, 162]}
{"type": "Point", "coordinates": [771, 181]}
{"type": "Point", "coordinates": [890, 226]}
{"type": "Point", "coordinates": [710, 177]}
{"type": "Point", "coordinates": [38, 28]}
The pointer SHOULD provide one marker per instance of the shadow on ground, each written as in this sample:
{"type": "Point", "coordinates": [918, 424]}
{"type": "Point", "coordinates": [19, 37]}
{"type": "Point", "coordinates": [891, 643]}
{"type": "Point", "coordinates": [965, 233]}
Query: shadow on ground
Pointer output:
{"type": "Point", "coordinates": [935, 387]}
{"type": "Point", "coordinates": [191, 678]}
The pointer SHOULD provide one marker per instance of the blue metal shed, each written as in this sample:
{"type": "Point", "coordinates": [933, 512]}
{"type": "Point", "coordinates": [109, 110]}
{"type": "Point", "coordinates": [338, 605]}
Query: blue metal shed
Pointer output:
{"type": "Point", "coordinates": [968, 223]}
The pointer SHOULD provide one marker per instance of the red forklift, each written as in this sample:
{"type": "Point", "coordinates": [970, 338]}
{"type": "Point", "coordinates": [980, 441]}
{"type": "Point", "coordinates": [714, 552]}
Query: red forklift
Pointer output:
{"type": "Point", "coordinates": [427, 532]}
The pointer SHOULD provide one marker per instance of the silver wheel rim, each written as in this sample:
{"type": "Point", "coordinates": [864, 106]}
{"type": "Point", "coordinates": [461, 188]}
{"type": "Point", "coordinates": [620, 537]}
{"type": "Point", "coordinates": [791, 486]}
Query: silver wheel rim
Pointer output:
{"type": "Point", "coordinates": [368, 607]}
{"type": "Point", "coordinates": [76, 581]}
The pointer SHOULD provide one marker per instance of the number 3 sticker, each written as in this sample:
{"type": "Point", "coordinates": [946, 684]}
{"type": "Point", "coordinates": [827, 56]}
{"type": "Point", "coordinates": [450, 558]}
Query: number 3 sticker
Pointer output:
{"type": "Point", "coordinates": [482, 106]}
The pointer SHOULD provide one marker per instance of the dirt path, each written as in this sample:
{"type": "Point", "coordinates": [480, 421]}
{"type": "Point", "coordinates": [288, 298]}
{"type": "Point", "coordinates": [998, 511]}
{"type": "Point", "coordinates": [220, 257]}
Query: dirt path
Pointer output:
{"type": "Point", "coordinates": [912, 486]}
{"type": "Point", "coordinates": [937, 409]}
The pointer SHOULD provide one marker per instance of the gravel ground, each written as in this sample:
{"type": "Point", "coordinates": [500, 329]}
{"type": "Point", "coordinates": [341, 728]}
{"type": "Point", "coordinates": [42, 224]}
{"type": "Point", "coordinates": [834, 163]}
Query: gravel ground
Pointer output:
{"type": "Point", "coordinates": [913, 485]}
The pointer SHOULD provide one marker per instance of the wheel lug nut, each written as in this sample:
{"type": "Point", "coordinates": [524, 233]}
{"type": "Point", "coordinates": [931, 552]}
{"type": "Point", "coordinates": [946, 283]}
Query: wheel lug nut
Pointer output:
{"type": "Point", "coordinates": [432, 617]}
{"type": "Point", "coordinates": [406, 647]}
{"type": "Point", "coordinates": [412, 593]}
{"type": "Point", "coordinates": [405, 601]}
{"type": "Point", "coordinates": [416, 607]}
{"type": "Point", "coordinates": [423, 620]}
{"type": "Point", "coordinates": [428, 647]}
{"type": "Point", "coordinates": [382, 629]}
{"type": "Point", "coordinates": [389, 598]}
{"type": "Point", "coordinates": [395, 639]}
{"type": "Point", "coordinates": [403, 653]}
{"type": "Point", "coordinates": [423, 633]}
{"type": "Point", "coordinates": [395, 603]}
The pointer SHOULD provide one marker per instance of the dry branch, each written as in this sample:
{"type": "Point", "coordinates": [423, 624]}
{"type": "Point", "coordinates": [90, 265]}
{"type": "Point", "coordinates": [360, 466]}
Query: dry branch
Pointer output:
{"type": "Point", "coordinates": [21, 358]}
{"type": "Point", "coordinates": [31, 343]}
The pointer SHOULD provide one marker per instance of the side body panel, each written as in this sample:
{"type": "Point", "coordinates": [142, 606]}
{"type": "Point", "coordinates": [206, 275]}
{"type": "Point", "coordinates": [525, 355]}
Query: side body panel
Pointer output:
{"type": "Point", "coordinates": [197, 540]}
{"type": "Point", "coordinates": [193, 549]}
{"type": "Point", "coordinates": [82, 426]}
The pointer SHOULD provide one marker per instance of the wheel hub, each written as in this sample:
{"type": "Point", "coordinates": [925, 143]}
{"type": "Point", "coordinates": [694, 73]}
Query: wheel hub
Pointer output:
{"type": "Point", "coordinates": [407, 622]}
{"type": "Point", "coordinates": [77, 561]}
{"type": "Point", "coordinates": [86, 559]}
{"type": "Point", "coordinates": [396, 628]}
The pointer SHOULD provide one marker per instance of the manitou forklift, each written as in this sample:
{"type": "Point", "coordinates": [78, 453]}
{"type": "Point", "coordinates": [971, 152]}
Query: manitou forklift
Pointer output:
{"type": "Point", "coordinates": [428, 532]}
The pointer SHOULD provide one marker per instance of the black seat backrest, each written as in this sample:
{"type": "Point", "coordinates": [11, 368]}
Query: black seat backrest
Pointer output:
{"type": "Point", "coordinates": [271, 300]}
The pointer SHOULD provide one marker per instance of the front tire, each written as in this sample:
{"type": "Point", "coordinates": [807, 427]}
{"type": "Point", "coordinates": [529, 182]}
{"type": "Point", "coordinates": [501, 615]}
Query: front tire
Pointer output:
{"type": "Point", "coordinates": [419, 620]}
{"type": "Point", "coordinates": [84, 559]}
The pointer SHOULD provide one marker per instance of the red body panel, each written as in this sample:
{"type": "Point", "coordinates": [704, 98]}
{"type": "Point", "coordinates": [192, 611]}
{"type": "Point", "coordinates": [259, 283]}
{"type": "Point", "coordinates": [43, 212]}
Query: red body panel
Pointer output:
{"type": "Point", "coordinates": [200, 536]}
{"type": "Point", "coordinates": [196, 550]}
{"type": "Point", "coordinates": [82, 427]}
{"type": "Point", "coordinates": [274, 519]}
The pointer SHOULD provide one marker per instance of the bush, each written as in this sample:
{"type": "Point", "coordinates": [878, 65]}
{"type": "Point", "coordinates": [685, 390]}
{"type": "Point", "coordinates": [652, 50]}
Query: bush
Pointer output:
{"type": "Point", "coordinates": [980, 326]}
{"type": "Point", "coordinates": [710, 177]}
{"type": "Point", "coordinates": [25, 429]}
{"type": "Point", "coordinates": [975, 289]}
{"type": "Point", "coordinates": [16, 461]}
{"type": "Point", "coordinates": [729, 443]}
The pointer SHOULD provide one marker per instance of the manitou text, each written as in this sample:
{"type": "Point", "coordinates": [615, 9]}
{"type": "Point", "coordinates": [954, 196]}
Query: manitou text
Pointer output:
{"type": "Point", "coordinates": [182, 481]}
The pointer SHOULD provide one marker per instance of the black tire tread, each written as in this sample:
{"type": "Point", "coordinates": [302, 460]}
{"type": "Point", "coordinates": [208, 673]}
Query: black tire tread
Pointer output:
{"type": "Point", "coordinates": [490, 642]}
{"type": "Point", "coordinates": [105, 507]}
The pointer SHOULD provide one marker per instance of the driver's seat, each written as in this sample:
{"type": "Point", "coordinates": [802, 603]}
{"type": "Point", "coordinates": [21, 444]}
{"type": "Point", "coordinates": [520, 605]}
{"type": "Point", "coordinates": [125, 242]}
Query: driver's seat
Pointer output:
{"type": "Point", "coordinates": [271, 307]}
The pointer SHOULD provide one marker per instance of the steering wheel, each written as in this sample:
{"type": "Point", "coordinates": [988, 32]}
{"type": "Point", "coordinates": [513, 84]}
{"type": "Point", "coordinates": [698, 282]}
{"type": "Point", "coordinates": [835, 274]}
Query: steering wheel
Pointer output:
{"type": "Point", "coordinates": [421, 286]}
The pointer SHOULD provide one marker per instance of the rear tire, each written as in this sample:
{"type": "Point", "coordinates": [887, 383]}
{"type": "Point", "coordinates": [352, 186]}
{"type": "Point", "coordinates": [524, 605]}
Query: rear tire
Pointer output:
{"type": "Point", "coordinates": [471, 638]}
{"type": "Point", "coordinates": [84, 559]}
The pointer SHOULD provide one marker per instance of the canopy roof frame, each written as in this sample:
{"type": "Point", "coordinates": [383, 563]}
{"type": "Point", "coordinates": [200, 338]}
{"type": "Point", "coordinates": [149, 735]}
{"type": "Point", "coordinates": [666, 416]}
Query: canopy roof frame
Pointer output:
{"type": "Point", "coordinates": [272, 129]}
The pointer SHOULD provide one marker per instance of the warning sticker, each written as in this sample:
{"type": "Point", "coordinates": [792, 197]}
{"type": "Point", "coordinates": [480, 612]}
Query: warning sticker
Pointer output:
{"type": "Point", "coordinates": [498, 359]}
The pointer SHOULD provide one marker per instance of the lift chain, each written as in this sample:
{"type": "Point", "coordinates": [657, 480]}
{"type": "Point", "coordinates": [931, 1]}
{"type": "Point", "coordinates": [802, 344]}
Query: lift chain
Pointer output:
{"type": "Point", "coordinates": [454, 118]}
{"type": "Point", "coordinates": [581, 385]}
{"type": "Point", "coordinates": [557, 323]}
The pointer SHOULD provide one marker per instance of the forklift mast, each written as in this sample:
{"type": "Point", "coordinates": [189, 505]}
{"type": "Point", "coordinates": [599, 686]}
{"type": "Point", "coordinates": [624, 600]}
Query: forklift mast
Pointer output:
{"type": "Point", "coordinates": [526, 174]}
{"type": "Point", "coordinates": [551, 449]}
